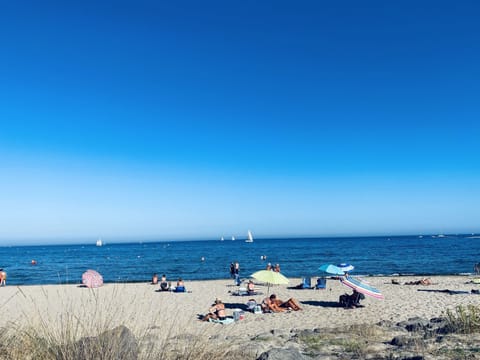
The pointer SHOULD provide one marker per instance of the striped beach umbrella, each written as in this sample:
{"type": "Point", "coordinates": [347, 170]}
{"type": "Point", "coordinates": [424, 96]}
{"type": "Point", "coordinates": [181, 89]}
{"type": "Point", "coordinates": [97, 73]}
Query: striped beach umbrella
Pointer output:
{"type": "Point", "coordinates": [361, 286]}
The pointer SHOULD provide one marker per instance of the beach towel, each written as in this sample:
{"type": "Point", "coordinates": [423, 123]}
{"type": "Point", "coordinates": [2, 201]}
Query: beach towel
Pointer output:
{"type": "Point", "coordinates": [251, 305]}
{"type": "Point", "coordinates": [223, 322]}
{"type": "Point", "coordinates": [246, 293]}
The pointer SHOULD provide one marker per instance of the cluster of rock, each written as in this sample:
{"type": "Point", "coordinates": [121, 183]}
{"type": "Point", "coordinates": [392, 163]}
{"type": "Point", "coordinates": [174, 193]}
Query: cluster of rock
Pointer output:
{"type": "Point", "coordinates": [414, 339]}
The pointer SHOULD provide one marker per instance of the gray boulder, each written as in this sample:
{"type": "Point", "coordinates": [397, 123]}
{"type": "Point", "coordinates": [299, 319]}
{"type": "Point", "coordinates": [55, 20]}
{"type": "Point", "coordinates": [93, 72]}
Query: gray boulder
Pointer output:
{"type": "Point", "coordinates": [400, 341]}
{"type": "Point", "coordinates": [118, 343]}
{"type": "Point", "coordinates": [414, 324]}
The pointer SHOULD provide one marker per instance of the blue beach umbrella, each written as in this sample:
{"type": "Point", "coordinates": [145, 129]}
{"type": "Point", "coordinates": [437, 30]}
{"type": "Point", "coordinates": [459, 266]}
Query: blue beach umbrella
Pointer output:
{"type": "Point", "coordinates": [346, 267]}
{"type": "Point", "coordinates": [331, 269]}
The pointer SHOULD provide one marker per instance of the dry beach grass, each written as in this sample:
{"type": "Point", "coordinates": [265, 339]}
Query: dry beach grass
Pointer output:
{"type": "Point", "coordinates": [43, 322]}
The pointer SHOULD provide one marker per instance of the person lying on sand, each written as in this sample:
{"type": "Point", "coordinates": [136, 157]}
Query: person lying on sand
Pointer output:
{"type": "Point", "coordinates": [424, 281]}
{"type": "Point", "coordinates": [276, 305]}
{"type": "Point", "coordinates": [217, 311]}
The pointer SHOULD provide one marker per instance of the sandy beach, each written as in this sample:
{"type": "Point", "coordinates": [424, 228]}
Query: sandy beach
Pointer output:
{"type": "Point", "coordinates": [166, 314]}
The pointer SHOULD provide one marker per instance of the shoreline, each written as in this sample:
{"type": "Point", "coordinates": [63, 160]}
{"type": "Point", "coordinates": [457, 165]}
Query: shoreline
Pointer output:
{"type": "Point", "coordinates": [401, 301]}
{"type": "Point", "coordinates": [367, 276]}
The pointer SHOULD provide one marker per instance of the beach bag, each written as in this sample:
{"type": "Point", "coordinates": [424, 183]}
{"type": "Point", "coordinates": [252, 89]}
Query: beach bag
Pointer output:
{"type": "Point", "coordinates": [251, 305]}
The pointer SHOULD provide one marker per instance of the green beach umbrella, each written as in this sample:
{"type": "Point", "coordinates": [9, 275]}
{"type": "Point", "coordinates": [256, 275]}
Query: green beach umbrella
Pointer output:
{"type": "Point", "coordinates": [270, 277]}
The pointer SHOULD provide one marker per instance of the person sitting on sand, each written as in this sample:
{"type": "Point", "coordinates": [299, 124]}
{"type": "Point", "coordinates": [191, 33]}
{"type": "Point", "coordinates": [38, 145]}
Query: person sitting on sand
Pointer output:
{"type": "Point", "coordinates": [217, 311]}
{"type": "Point", "coordinates": [250, 287]}
{"type": "Point", "coordinates": [351, 301]}
{"type": "Point", "coordinates": [268, 305]}
{"type": "Point", "coordinates": [164, 285]}
{"type": "Point", "coordinates": [276, 305]}
{"type": "Point", "coordinates": [154, 279]}
{"type": "Point", "coordinates": [180, 286]}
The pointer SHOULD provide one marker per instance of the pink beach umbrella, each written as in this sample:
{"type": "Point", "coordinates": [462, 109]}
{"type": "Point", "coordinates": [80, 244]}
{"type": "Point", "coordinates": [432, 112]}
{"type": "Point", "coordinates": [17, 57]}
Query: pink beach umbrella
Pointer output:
{"type": "Point", "coordinates": [361, 286]}
{"type": "Point", "coordinates": [92, 279]}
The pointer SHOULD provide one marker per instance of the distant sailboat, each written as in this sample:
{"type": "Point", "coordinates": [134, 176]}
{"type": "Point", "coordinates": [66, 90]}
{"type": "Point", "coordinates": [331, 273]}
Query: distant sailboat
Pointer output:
{"type": "Point", "coordinates": [233, 238]}
{"type": "Point", "coordinates": [249, 237]}
{"type": "Point", "coordinates": [221, 239]}
{"type": "Point", "coordinates": [99, 242]}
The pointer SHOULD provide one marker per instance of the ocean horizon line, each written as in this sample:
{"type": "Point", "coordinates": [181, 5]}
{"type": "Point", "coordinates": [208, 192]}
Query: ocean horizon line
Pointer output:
{"type": "Point", "coordinates": [126, 241]}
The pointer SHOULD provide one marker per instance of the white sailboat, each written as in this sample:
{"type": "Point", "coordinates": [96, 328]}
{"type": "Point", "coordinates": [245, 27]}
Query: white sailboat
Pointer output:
{"type": "Point", "coordinates": [99, 242]}
{"type": "Point", "coordinates": [221, 239]}
{"type": "Point", "coordinates": [233, 238]}
{"type": "Point", "coordinates": [249, 237]}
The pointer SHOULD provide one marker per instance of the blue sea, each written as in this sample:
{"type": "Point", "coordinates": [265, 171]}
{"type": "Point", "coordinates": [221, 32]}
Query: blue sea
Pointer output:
{"type": "Point", "coordinates": [198, 260]}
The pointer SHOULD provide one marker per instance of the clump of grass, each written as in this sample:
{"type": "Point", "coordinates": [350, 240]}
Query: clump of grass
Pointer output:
{"type": "Point", "coordinates": [314, 342]}
{"type": "Point", "coordinates": [464, 320]}
{"type": "Point", "coordinates": [366, 331]}
{"type": "Point", "coordinates": [73, 329]}
{"type": "Point", "coordinates": [354, 340]}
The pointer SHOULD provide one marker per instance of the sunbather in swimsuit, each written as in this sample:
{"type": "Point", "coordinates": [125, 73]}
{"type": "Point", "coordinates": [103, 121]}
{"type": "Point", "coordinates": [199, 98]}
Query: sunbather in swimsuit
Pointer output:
{"type": "Point", "coordinates": [217, 311]}
{"type": "Point", "coordinates": [424, 281]}
{"type": "Point", "coordinates": [276, 305]}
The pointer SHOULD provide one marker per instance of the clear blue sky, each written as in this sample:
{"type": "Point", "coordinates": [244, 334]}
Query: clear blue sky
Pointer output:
{"type": "Point", "coordinates": [184, 120]}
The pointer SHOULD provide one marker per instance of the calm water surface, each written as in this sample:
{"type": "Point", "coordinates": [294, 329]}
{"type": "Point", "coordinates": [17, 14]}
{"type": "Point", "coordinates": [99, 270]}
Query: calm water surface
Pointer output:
{"type": "Point", "coordinates": [134, 262]}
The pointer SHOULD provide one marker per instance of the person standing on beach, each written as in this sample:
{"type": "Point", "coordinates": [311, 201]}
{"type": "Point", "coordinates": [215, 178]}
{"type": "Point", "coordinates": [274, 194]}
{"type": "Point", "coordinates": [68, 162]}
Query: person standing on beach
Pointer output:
{"type": "Point", "coordinates": [237, 273]}
{"type": "Point", "coordinates": [232, 270]}
{"type": "Point", "coordinates": [3, 278]}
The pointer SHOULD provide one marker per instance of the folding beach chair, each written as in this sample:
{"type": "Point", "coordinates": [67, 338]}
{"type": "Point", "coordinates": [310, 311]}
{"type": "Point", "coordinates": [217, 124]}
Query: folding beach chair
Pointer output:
{"type": "Point", "coordinates": [306, 283]}
{"type": "Point", "coordinates": [321, 283]}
